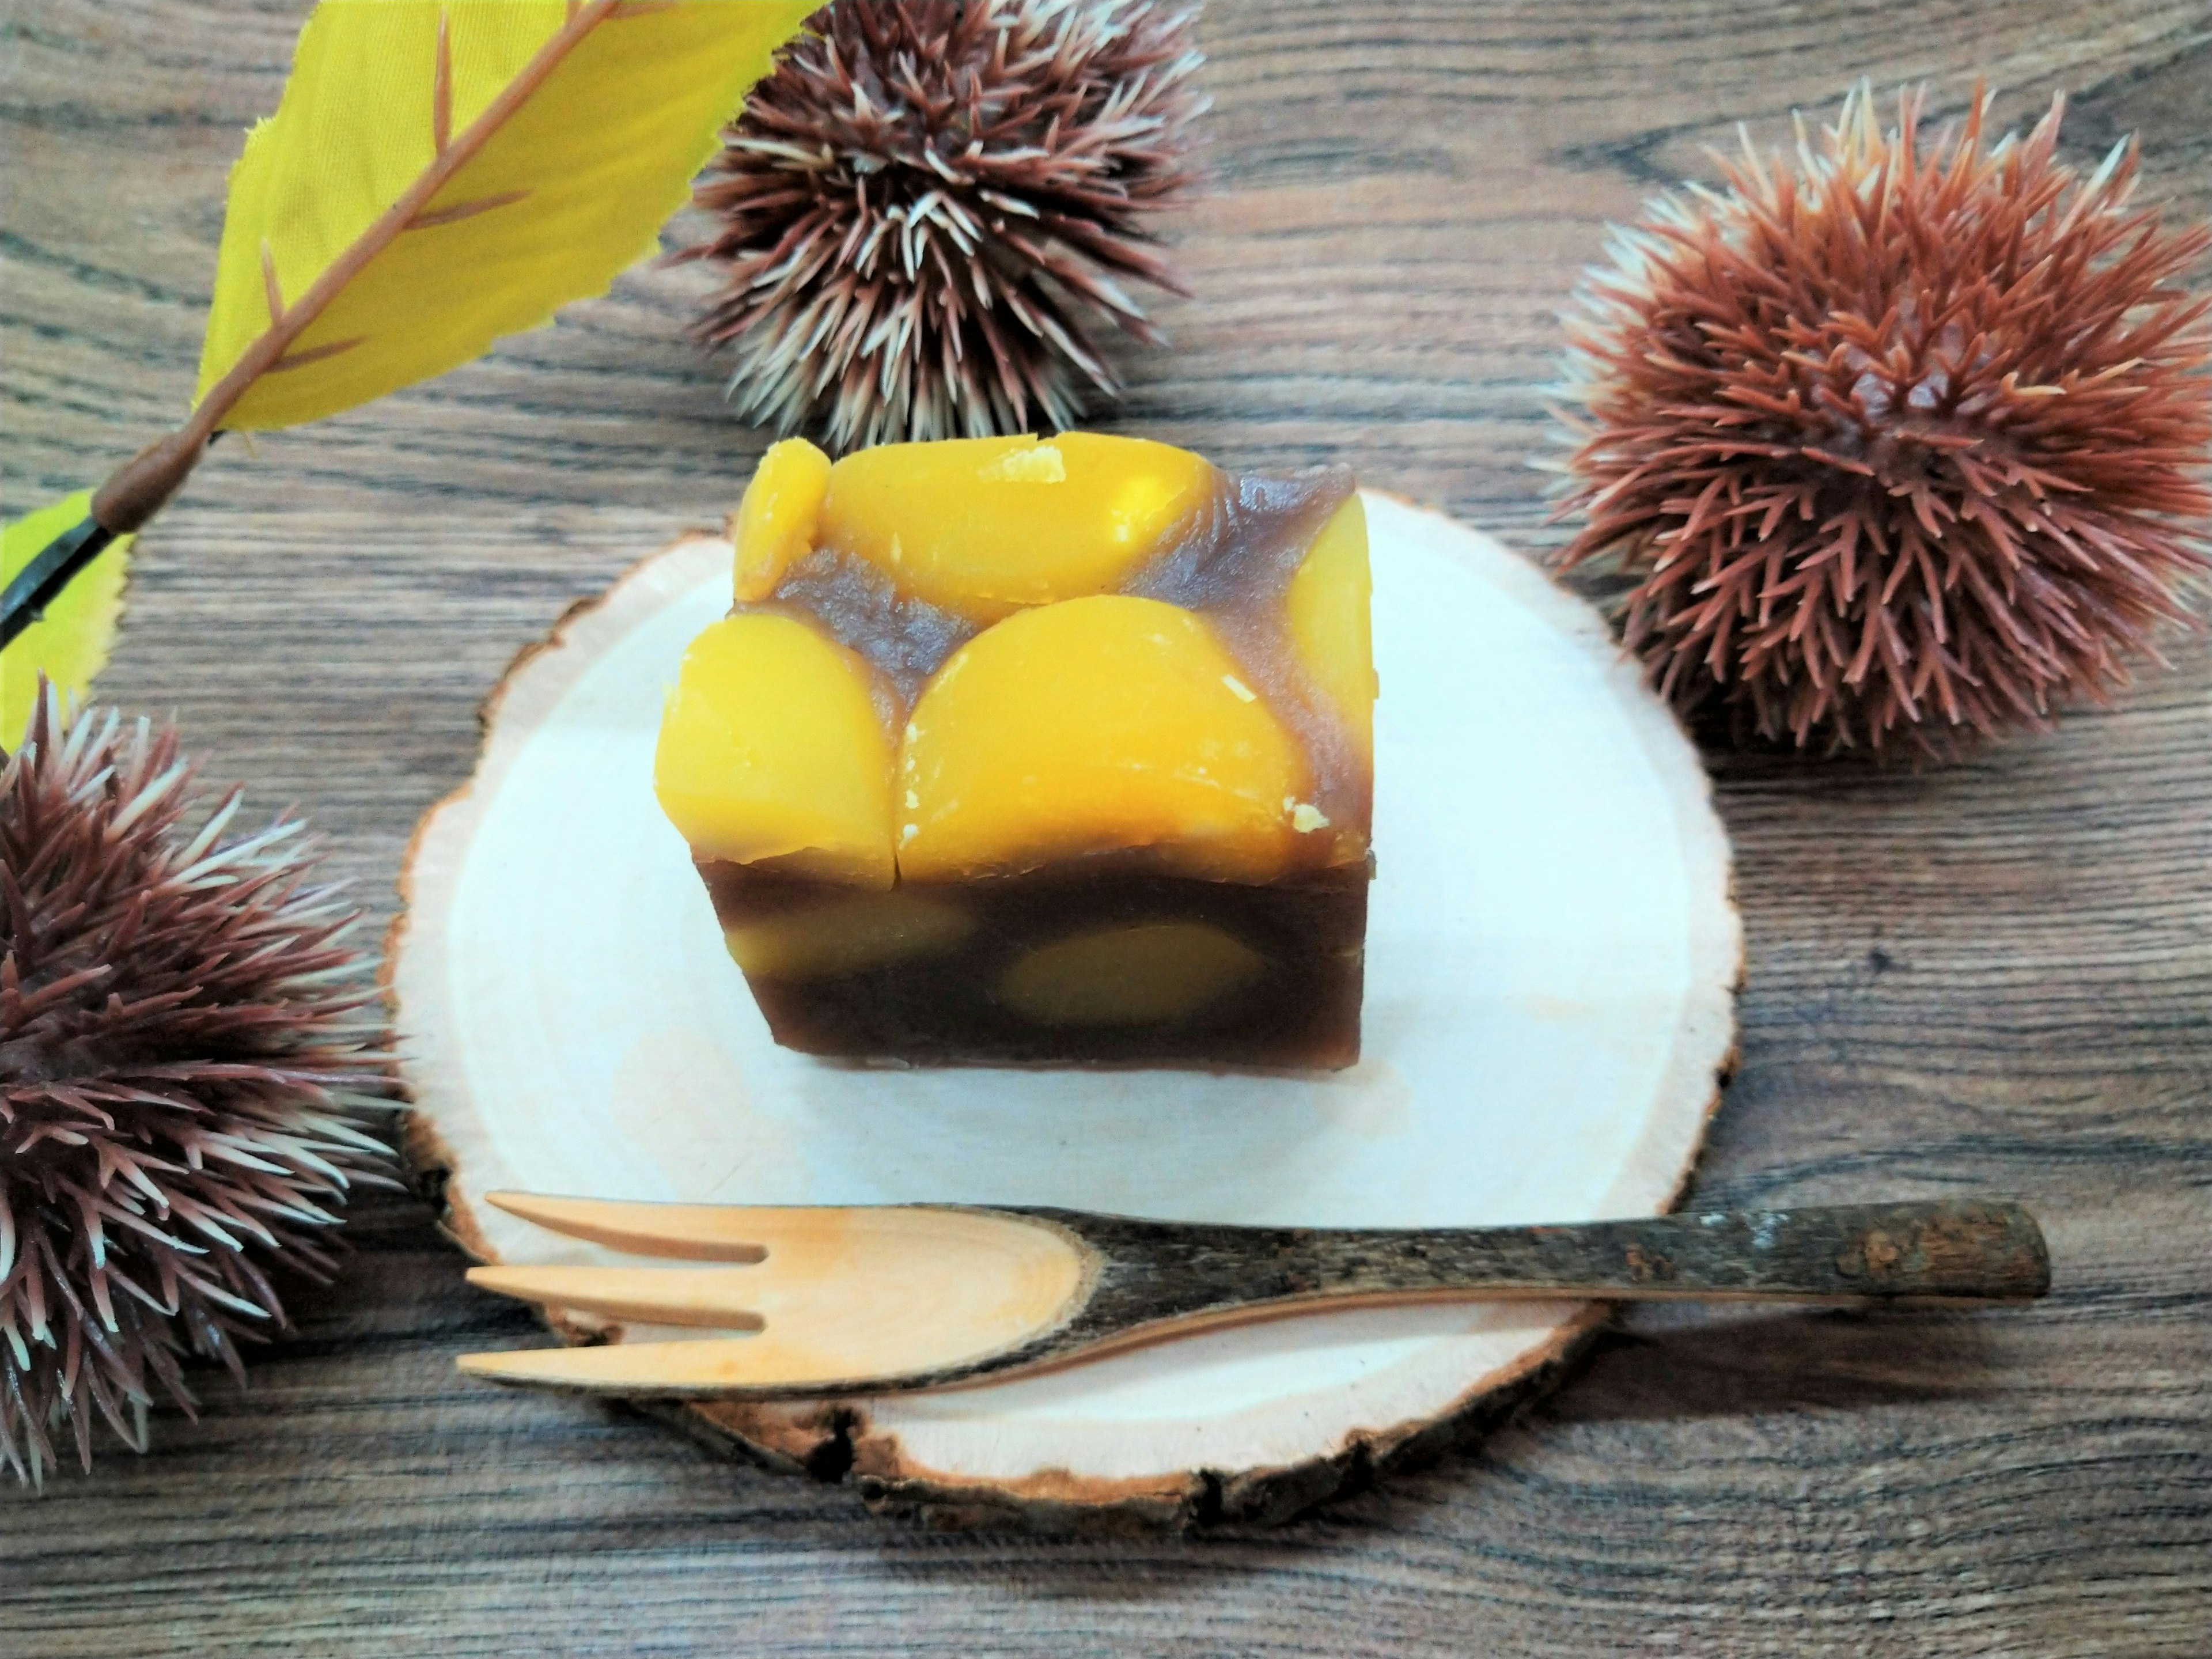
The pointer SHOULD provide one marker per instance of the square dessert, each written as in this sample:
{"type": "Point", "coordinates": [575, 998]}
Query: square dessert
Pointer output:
{"type": "Point", "coordinates": [1037, 752]}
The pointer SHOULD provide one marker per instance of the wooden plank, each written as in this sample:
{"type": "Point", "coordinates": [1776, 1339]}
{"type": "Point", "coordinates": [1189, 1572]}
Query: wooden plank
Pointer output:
{"type": "Point", "coordinates": [1994, 977]}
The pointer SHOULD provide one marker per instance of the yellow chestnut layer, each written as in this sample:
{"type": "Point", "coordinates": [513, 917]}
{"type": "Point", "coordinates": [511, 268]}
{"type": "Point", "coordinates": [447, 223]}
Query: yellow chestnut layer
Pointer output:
{"type": "Point", "coordinates": [984, 527]}
{"type": "Point", "coordinates": [1095, 725]}
{"type": "Point", "coordinates": [984, 657]}
{"type": "Point", "coordinates": [773, 747]}
{"type": "Point", "coordinates": [774, 525]}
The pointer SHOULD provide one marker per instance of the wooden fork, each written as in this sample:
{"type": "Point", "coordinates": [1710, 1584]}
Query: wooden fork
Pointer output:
{"type": "Point", "coordinates": [837, 1300]}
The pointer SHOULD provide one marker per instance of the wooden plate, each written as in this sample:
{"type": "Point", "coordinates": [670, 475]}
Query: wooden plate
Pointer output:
{"type": "Point", "coordinates": [1551, 958]}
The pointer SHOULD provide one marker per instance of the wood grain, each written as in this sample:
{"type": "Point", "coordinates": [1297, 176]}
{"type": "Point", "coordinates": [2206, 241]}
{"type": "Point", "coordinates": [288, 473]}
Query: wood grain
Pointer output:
{"type": "Point", "coordinates": [1994, 977]}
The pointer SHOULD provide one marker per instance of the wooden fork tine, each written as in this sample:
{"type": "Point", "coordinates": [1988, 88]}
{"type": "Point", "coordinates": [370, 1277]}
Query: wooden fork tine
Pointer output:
{"type": "Point", "coordinates": [728, 1363]}
{"type": "Point", "coordinates": [834, 1297]}
{"type": "Point", "coordinates": [656, 1295]}
{"type": "Point", "coordinates": [690, 1232]}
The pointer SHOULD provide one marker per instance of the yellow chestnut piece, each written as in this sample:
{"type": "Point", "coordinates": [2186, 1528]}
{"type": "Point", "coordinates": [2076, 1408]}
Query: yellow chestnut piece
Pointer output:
{"type": "Point", "coordinates": [775, 522]}
{"type": "Point", "coordinates": [1155, 974]}
{"type": "Point", "coordinates": [983, 526]}
{"type": "Point", "coordinates": [771, 747]}
{"type": "Point", "coordinates": [852, 935]}
{"type": "Point", "coordinates": [1330, 626]}
{"type": "Point", "coordinates": [1098, 725]}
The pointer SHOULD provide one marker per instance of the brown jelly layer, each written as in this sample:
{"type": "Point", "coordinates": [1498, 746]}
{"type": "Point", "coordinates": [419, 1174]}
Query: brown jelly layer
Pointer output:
{"type": "Point", "coordinates": [995, 970]}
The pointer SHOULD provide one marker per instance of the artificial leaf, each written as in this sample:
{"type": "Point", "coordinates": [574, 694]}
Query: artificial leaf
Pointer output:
{"type": "Point", "coordinates": [437, 175]}
{"type": "Point", "coordinates": [70, 644]}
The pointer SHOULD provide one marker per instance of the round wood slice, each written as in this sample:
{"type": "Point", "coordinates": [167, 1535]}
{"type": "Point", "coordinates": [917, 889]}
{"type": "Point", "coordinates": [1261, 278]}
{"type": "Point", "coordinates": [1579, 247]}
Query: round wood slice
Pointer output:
{"type": "Point", "coordinates": [1551, 959]}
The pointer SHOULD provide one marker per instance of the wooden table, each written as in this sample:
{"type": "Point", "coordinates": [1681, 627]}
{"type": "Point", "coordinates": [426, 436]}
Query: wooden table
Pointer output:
{"type": "Point", "coordinates": [1991, 977]}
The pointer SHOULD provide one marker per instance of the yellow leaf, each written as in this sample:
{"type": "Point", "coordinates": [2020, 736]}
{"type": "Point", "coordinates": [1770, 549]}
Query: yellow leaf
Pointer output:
{"type": "Point", "coordinates": [437, 175]}
{"type": "Point", "coordinates": [70, 644]}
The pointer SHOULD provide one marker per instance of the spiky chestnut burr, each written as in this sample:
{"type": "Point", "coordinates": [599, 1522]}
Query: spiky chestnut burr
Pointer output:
{"type": "Point", "coordinates": [1894, 442]}
{"type": "Point", "coordinates": [929, 207]}
{"type": "Point", "coordinates": [186, 1065]}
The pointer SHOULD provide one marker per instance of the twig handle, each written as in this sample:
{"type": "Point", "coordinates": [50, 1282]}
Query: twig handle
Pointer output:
{"type": "Point", "coordinates": [1947, 1250]}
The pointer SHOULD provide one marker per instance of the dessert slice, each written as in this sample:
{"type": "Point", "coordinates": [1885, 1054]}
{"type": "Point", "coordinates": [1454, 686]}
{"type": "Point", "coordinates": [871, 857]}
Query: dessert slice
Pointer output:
{"type": "Point", "coordinates": [1029, 750]}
